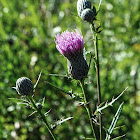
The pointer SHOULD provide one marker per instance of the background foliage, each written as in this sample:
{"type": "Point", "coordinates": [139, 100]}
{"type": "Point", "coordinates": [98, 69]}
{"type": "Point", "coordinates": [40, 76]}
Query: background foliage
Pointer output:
{"type": "Point", "coordinates": [27, 32]}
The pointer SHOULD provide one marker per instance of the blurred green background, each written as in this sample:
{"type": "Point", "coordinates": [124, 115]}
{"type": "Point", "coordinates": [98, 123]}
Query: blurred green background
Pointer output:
{"type": "Point", "coordinates": [27, 32]}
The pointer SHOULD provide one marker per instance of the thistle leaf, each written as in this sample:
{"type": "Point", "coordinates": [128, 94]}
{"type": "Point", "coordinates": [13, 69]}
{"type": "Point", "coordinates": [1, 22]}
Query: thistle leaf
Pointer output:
{"type": "Point", "coordinates": [114, 121]}
{"type": "Point", "coordinates": [119, 137]}
{"type": "Point", "coordinates": [32, 113]}
{"type": "Point", "coordinates": [64, 120]}
{"type": "Point", "coordinates": [99, 108]}
{"type": "Point", "coordinates": [99, 6]}
{"type": "Point", "coordinates": [37, 80]}
{"type": "Point", "coordinates": [69, 93]}
{"type": "Point", "coordinates": [16, 100]}
{"type": "Point", "coordinates": [46, 114]}
{"type": "Point", "coordinates": [43, 102]}
{"type": "Point", "coordinates": [58, 75]}
{"type": "Point", "coordinates": [21, 103]}
{"type": "Point", "coordinates": [59, 122]}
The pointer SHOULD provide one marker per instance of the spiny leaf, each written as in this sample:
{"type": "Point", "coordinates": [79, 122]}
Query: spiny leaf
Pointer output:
{"type": "Point", "coordinates": [37, 80]}
{"type": "Point", "coordinates": [99, 31]}
{"type": "Point", "coordinates": [58, 75]}
{"type": "Point", "coordinates": [99, 109]}
{"type": "Point", "coordinates": [43, 102]}
{"type": "Point", "coordinates": [69, 93]}
{"type": "Point", "coordinates": [64, 120]}
{"type": "Point", "coordinates": [46, 114]}
{"type": "Point", "coordinates": [59, 122]}
{"type": "Point", "coordinates": [88, 138]}
{"type": "Point", "coordinates": [99, 6]}
{"type": "Point", "coordinates": [119, 127]}
{"type": "Point", "coordinates": [117, 138]}
{"type": "Point", "coordinates": [16, 100]}
{"type": "Point", "coordinates": [32, 113]}
{"type": "Point", "coordinates": [21, 103]}
{"type": "Point", "coordinates": [114, 121]}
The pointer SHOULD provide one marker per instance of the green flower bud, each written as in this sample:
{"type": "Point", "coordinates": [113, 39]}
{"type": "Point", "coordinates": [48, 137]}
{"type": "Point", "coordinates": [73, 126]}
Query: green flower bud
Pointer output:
{"type": "Point", "coordinates": [24, 86]}
{"type": "Point", "coordinates": [81, 5]}
{"type": "Point", "coordinates": [88, 15]}
{"type": "Point", "coordinates": [84, 10]}
{"type": "Point", "coordinates": [39, 106]}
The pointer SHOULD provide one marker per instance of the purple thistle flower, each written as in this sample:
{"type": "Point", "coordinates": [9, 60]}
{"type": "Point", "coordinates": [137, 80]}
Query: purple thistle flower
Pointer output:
{"type": "Point", "coordinates": [69, 43]}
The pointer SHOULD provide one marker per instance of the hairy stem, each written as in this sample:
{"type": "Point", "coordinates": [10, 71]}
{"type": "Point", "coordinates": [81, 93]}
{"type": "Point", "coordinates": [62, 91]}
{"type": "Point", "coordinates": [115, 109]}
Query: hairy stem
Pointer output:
{"type": "Point", "coordinates": [88, 111]}
{"type": "Point", "coordinates": [42, 116]}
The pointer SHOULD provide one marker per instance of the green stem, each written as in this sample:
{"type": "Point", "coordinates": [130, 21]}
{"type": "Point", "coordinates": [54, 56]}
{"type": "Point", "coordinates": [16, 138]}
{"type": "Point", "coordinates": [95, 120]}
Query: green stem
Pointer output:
{"type": "Point", "coordinates": [98, 82]}
{"type": "Point", "coordinates": [42, 116]}
{"type": "Point", "coordinates": [88, 110]}
{"type": "Point", "coordinates": [97, 68]}
{"type": "Point", "coordinates": [95, 33]}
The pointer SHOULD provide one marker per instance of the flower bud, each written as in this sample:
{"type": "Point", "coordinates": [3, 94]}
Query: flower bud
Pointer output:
{"type": "Point", "coordinates": [81, 5]}
{"type": "Point", "coordinates": [39, 106]}
{"type": "Point", "coordinates": [84, 10]}
{"type": "Point", "coordinates": [87, 15]}
{"type": "Point", "coordinates": [24, 86]}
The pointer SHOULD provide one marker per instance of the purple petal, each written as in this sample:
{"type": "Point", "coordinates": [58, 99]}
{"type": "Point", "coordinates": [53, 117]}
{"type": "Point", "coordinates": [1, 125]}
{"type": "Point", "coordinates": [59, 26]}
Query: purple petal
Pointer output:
{"type": "Point", "coordinates": [68, 43]}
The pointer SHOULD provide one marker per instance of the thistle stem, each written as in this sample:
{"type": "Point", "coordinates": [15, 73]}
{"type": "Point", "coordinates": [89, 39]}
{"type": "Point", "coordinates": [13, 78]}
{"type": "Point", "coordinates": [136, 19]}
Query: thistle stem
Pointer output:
{"type": "Point", "coordinates": [42, 116]}
{"type": "Point", "coordinates": [88, 110]}
{"type": "Point", "coordinates": [98, 82]}
{"type": "Point", "coordinates": [95, 33]}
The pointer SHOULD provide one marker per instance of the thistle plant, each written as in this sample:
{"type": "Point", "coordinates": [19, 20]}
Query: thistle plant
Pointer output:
{"type": "Point", "coordinates": [25, 87]}
{"type": "Point", "coordinates": [71, 46]}
{"type": "Point", "coordinates": [89, 14]}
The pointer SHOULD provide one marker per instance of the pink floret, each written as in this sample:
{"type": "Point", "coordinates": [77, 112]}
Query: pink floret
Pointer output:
{"type": "Point", "coordinates": [69, 43]}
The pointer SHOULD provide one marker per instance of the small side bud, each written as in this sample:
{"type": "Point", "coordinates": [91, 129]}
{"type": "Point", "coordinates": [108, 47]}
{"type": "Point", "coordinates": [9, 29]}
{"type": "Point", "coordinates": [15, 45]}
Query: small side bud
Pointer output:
{"type": "Point", "coordinates": [39, 106]}
{"type": "Point", "coordinates": [24, 86]}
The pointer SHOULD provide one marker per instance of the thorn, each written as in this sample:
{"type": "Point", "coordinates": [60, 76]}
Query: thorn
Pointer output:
{"type": "Point", "coordinates": [99, 31]}
{"type": "Point", "coordinates": [106, 103]}
{"type": "Point", "coordinates": [113, 98]}
{"type": "Point", "coordinates": [14, 88]}
{"type": "Point", "coordinates": [100, 113]}
{"type": "Point", "coordinates": [32, 113]}
{"type": "Point", "coordinates": [47, 112]}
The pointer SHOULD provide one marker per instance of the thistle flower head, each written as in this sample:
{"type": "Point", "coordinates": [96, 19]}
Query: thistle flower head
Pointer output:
{"type": "Point", "coordinates": [69, 43]}
{"type": "Point", "coordinates": [24, 86]}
